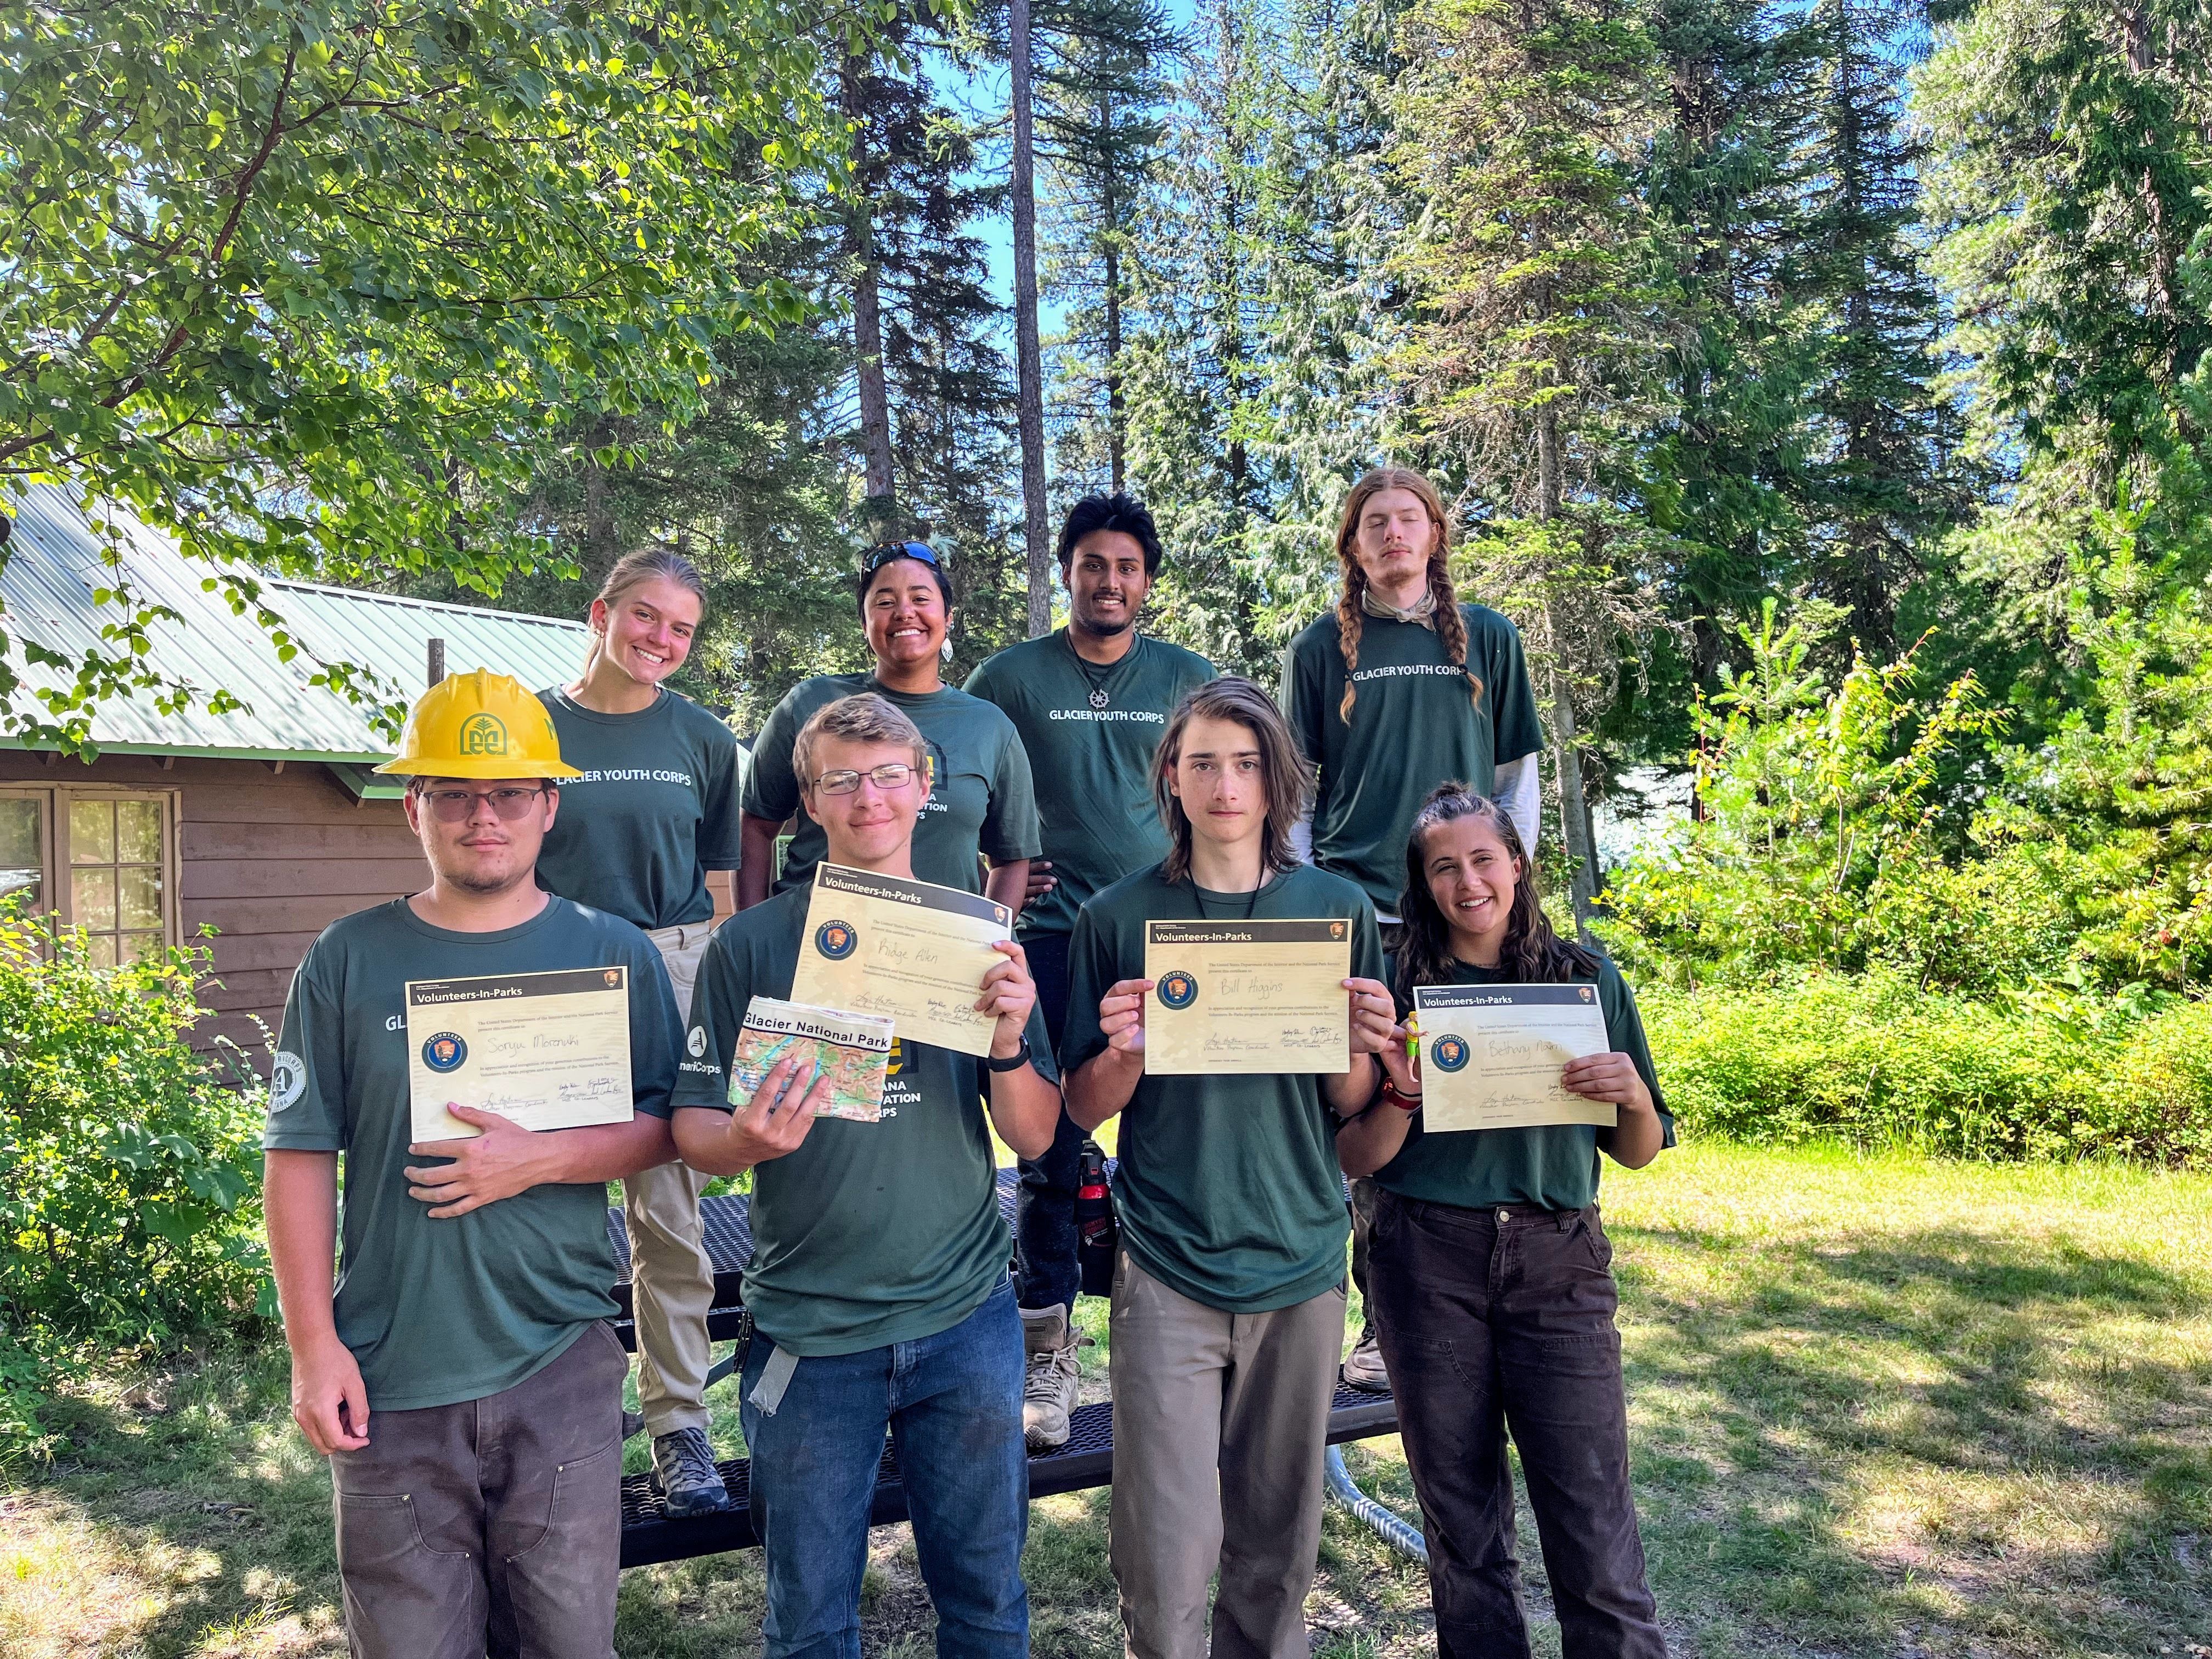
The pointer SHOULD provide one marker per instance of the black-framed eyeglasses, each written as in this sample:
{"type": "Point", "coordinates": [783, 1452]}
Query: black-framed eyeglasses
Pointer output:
{"type": "Point", "coordinates": [886, 552]}
{"type": "Point", "coordinates": [509, 802]}
{"type": "Point", "coordinates": [891, 775]}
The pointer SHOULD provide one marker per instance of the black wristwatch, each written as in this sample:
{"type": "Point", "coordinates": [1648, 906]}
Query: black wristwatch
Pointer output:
{"type": "Point", "coordinates": [1013, 1062]}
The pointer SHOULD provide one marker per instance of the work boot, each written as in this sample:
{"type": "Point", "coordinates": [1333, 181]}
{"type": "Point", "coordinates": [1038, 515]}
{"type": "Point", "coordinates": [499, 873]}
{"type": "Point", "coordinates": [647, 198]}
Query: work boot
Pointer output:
{"type": "Point", "coordinates": [1363, 1369]}
{"type": "Point", "coordinates": [683, 1468]}
{"type": "Point", "coordinates": [1049, 1390]}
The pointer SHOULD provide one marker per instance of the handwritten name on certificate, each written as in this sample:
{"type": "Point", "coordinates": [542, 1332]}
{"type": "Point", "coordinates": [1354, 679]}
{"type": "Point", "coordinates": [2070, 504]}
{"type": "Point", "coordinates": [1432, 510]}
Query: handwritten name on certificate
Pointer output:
{"type": "Point", "coordinates": [1491, 1054]}
{"type": "Point", "coordinates": [551, 1051]}
{"type": "Point", "coordinates": [1248, 996]}
{"type": "Point", "coordinates": [909, 951]}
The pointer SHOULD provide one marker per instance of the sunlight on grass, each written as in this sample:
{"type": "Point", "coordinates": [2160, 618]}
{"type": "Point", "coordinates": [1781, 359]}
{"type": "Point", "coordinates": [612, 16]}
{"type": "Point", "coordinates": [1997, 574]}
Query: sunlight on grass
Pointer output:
{"type": "Point", "coordinates": [1880, 1406]}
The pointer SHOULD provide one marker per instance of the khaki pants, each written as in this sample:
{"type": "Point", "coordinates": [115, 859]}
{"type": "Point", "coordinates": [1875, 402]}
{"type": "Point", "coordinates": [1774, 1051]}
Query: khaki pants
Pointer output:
{"type": "Point", "coordinates": [1219, 1424]}
{"type": "Point", "coordinates": [672, 1278]}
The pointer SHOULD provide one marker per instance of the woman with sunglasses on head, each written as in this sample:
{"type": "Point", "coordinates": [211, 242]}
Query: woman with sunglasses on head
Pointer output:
{"type": "Point", "coordinates": [980, 799]}
{"type": "Point", "coordinates": [1489, 1278]}
{"type": "Point", "coordinates": [653, 807]}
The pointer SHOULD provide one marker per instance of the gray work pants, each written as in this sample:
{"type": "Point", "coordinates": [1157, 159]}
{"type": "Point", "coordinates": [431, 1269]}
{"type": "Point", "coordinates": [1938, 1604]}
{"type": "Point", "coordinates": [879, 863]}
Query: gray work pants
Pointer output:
{"type": "Point", "coordinates": [493, 1526]}
{"type": "Point", "coordinates": [1219, 1424]}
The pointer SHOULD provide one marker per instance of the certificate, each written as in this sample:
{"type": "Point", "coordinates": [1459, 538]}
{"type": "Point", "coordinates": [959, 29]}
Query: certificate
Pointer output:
{"type": "Point", "coordinates": [1491, 1055]}
{"type": "Point", "coordinates": [551, 1051]}
{"type": "Point", "coordinates": [1248, 996]}
{"type": "Point", "coordinates": [910, 952]}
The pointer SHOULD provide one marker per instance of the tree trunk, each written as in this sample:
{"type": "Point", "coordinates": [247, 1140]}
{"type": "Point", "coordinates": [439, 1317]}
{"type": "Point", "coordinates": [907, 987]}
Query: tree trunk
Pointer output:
{"type": "Point", "coordinates": [601, 545]}
{"type": "Point", "coordinates": [1028, 353]}
{"type": "Point", "coordinates": [1567, 750]}
{"type": "Point", "coordinates": [1116, 415]}
{"type": "Point", "coordinates": [880, 508]}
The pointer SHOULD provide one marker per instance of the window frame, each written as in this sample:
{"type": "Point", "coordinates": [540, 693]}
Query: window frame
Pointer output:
{"type": "Point", "coordinates": [60, 891]}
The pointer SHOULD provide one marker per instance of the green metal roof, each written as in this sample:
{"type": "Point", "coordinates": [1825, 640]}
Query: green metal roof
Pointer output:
{"type": "Point", "coordinates": [55, 559]}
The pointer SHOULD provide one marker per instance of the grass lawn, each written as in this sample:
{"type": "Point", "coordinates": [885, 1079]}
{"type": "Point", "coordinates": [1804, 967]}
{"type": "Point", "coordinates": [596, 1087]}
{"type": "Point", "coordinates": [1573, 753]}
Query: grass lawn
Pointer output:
{"type": "Point", "coordinates": [1879, 1406]}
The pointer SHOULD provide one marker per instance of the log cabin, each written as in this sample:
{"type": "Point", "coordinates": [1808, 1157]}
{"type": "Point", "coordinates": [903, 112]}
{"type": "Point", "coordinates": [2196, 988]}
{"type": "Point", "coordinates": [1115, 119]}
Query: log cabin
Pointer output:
{"type": "Point", "coordinates": [263, 824]}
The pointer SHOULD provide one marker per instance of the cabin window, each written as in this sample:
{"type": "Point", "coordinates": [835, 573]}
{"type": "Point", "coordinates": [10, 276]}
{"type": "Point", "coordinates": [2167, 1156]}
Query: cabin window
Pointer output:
{"type": "Point", "coordinates": [101, 859]}
{"type": "Point", "coordinates": [25, 840]}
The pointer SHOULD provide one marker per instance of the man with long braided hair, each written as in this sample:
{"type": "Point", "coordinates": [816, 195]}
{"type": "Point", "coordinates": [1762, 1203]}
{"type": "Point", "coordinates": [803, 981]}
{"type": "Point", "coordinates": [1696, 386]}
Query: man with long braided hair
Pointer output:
{"type": "Point", "coordinates": [1398, 689]}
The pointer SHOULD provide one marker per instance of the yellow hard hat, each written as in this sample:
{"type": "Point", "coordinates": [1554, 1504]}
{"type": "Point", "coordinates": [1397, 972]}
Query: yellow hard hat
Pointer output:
{"type": "Point", "coordinates": [479, 725]}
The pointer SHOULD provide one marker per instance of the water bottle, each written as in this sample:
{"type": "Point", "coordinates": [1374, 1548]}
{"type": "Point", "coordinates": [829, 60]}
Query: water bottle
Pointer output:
{"type": "Point", "coordinates": [1096, 1233]}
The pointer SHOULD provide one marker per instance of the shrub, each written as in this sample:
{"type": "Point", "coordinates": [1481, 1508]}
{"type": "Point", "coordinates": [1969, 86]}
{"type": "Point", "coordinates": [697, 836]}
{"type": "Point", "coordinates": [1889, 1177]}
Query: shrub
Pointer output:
{"type": "Point", "coordinates": [1874, 1059]}
{"type": "Point", "coordinates": [130, 1177]}
{"type": "Point", "coordinates": [1815, 803]}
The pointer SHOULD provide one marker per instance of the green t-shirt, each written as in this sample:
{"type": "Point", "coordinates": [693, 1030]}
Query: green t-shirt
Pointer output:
{"type": "Point", "coordinates": [1555, 1165]}
{"type": "Point", "coordinates": [436, 1312]}
{"type": "Point", "coordinates": [869, 1233]}
{"type": "Point", "coordinates": [1090, 734]}
{"type": "Point", "coordinates": [980, 795]}
{"type": "Point", "coordinates": [1228, 1187]}
{"type": "Point", "coordinates": [656, 808]}
{"type": "Point", "coordinates": [1414, 725]}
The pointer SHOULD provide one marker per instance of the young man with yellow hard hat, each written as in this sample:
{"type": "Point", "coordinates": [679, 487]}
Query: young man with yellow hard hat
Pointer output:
{"type": "Point", "coordinates": [460, 1378]}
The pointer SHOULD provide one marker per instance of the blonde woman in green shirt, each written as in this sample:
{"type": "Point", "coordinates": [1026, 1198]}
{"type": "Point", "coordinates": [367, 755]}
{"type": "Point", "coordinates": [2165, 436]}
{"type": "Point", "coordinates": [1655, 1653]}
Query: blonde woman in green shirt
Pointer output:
{"type": "Point", "coordinates": [652, 810]}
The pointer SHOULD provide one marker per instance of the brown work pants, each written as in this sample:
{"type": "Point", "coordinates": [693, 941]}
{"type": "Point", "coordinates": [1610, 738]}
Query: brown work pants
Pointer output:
{"type": "Point", "coordinates": [1219, 1424]}
{"type": "Point", "coordinates": [493, 1526]}
{"type": "Point", "coordinates": [1496, 1323]}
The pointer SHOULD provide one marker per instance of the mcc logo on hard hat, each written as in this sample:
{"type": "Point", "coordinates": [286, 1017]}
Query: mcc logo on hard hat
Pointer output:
{"type": "Point", "coordinates": [478, 725]}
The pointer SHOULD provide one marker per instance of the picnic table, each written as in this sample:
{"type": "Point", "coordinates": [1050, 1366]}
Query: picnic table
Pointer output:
{"type": "Point", "coordinates": [650, 1534]}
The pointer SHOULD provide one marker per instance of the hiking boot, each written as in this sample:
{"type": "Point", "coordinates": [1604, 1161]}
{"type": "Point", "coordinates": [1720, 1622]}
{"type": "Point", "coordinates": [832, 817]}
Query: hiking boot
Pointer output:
{"type": "Point", "coordinates": [1363, 1369]}
{"type": "Point", "coordinates": [683, 1468]}
{"type": "Point", "coordinates": [1049, 1389]}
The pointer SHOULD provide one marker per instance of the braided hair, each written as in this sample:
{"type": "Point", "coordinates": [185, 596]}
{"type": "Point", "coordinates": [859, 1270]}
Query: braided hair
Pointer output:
{"type": "Point", "coordinates": [1451, 625]}
{"type": "Point", "coordinates": [1533, 953]}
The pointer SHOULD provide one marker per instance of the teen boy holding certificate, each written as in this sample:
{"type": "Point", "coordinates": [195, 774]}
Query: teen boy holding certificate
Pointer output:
{"type": "Point", "coordinates": [1228, 1304]}
{"type": "Point", "coordinates": [878, 1283]}
{"type": "Point", "coordinates": [460, 1379]}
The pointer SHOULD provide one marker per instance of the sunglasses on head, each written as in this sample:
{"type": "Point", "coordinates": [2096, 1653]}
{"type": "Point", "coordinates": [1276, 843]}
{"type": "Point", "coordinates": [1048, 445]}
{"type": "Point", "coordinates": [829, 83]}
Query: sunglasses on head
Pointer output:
{"type": "Point", "coordinates": [886, 552]}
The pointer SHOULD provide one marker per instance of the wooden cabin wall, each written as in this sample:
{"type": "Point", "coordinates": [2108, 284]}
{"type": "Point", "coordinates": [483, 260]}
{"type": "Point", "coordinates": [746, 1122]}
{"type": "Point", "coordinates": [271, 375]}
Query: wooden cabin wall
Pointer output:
{"type": "Point", "coordinates": [269, 859]}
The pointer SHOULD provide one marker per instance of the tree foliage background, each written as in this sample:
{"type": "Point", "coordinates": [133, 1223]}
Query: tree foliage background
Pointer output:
{"type": "Point", "coordinates": [1877, 327]}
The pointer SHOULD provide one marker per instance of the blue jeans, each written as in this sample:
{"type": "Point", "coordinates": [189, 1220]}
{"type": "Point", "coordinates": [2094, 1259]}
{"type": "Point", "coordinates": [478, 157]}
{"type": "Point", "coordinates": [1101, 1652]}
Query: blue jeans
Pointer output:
{"type": "Point", "coordinates": [1045, 1237]}
{"type": "Point", "coordinates": [953, 1403]}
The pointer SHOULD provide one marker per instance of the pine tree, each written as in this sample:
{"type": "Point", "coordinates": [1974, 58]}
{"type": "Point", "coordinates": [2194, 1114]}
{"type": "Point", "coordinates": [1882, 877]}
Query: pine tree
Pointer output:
{"type": "Point", "coordinates": [1102, 86]}
{"type": "Point", "coordinates": [1516, 126]}
{"type": "Point", "coordinates": [926, 326]}
{"type": "Point", "coordinates": [1884, 478]}
{"type": "Point", "coordinates": [1724, 182]}
{"type": "Point", "coordinates": [2069, 174]}
{"type": "Point", "coordinates": [1259, 314]}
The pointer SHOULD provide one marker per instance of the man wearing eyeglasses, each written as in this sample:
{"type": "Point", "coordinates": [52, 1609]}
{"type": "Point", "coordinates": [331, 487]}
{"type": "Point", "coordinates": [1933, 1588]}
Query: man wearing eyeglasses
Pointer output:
{"type": "Point", "coordinates": [461, 1377]}
{"type": "Point", "coordinates": [878, 1285]}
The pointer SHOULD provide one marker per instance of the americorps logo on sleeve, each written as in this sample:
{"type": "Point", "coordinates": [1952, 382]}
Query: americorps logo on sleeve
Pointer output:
{"type": "Point", "coordinates": [288, 1081]}
{"type": "Point", "coordinates": [696, 1044]}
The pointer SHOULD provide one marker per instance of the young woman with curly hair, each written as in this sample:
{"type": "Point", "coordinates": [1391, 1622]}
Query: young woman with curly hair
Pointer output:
{"type": "Point", "coordinates": [1490, 1280]}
